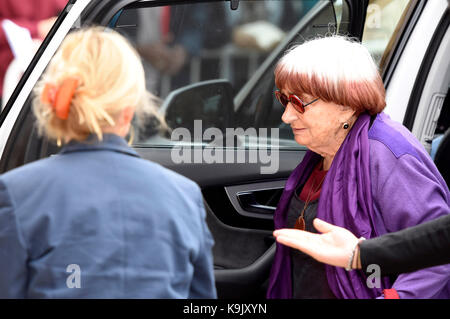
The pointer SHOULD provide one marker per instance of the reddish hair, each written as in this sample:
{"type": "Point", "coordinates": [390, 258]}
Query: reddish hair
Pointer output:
{"type": "Point", "coordinates": [342, 82]}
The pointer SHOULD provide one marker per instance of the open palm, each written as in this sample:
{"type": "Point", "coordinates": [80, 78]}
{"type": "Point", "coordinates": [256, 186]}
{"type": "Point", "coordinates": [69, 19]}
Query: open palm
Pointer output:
{"type": "Point", "coordinates": [332, 247]}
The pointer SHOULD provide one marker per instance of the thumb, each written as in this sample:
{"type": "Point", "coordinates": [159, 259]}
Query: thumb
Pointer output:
{"type": "Point", "coordinates": [323, 226]}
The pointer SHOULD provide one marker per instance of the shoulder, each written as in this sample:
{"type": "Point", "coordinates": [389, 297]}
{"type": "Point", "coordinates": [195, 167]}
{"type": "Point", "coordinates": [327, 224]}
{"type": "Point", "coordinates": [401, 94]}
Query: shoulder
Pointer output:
{"type": "Point", "coordinates": [71, 172]}
{"type": "Point", "coordinates": [165, 177]}
{"type": "Point", "coordinates": [407, 187]}
{"type": "Point", "coordinates": [168, 190]}
{"type": "Point", "coordinates": [30, 186]}
{"type": "Point", "coordinates": [28, 174]}
{"type": "Point", "coordinates": [5, 198]}
{"type": "Point", "coordinates": [391, 145]}
{"type": "Point", "coordinates": [394, 138]}
{"type": "Point", "coordinates": [395, 154]}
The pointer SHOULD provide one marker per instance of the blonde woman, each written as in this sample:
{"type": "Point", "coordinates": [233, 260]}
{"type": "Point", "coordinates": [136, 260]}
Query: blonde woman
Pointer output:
{"type": "Point", "coordinates": [97, 221]}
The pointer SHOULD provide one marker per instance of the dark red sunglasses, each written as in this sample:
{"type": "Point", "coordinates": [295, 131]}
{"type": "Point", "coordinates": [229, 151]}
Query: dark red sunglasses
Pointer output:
{"type": "Point", "coordinates": [298, 104]}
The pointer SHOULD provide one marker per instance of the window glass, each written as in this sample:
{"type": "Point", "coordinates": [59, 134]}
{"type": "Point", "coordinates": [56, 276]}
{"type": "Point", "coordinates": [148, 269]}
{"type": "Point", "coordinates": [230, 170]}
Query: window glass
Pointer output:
{"type": "Point", "coordinates": [339, 7]}
{"type": "Point", "coordinates": [184, 44]}
{"type": "Point", "coordinates": [261, 109]}
{"type": "Point", "coordinates": [383, 21]}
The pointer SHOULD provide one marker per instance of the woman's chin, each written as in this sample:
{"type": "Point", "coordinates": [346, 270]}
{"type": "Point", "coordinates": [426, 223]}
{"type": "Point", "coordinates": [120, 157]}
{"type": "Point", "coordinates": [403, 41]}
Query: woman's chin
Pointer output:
{"type": "Point", "coordinates": [301, 140]}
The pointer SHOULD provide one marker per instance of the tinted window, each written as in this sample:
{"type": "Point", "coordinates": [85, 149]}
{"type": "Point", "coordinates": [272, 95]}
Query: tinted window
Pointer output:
{"type": "Point", "coordinates": [185, 44]}
{"type": "Point", "coordinates": [383, 22]}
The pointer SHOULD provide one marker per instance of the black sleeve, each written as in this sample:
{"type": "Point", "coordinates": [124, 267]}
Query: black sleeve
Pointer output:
{"type": "Point", "coordinates": [414, 248]}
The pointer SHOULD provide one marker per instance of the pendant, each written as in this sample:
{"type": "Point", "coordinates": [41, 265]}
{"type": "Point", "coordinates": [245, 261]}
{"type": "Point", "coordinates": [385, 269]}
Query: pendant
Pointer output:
{"type": "Point", "coordinates": [300, 223]}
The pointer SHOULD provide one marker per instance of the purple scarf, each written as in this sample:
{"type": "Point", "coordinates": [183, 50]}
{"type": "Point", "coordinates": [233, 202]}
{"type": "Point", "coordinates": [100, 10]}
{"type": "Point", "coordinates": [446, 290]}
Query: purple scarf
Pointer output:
{"type": "Point", "coordinates": [346, 201]}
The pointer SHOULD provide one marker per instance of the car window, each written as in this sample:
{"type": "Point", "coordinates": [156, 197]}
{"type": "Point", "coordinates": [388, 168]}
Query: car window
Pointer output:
{"type": "Point", "coordinates": [185, 44]}
{"type": "Point", "coordinates": [383, 23]}
{"type": "Point", "coordinates": [261, 109]}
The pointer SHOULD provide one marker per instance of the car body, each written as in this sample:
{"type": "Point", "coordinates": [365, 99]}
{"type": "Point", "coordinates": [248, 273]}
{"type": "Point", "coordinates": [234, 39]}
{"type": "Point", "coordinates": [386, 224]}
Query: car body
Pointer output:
{"type": "Point", "coordinates": [233, 59]}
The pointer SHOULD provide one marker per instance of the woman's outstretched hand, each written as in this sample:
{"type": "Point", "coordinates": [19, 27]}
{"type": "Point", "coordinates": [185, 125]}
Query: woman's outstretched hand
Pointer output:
{"type": "Point", "coordinates": [334, 246]}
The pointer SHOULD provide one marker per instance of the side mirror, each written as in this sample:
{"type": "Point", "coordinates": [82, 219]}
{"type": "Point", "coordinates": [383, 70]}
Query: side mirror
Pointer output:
{"type": "Point", "coordinates": [209, 101]}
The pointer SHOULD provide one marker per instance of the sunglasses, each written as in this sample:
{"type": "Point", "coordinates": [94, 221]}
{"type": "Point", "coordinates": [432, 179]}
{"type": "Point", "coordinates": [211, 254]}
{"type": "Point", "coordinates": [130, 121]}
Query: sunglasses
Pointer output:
{"type": "Point", "coordinates": [298, 104]}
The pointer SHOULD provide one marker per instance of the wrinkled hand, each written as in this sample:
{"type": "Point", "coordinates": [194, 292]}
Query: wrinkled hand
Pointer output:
{"type": "Point", "coordinates": [332, 247]}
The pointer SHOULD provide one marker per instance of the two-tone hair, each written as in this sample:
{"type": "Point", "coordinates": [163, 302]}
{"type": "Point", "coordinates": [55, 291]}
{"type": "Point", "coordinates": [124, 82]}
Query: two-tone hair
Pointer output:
{"type": "Point", "coordinates": [335, 69]}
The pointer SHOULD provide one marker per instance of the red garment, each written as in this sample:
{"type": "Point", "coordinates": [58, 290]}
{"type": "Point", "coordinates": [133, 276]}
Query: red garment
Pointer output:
{"type": "Point", "coordinates": [314, 183]}
{"type": "Point", "coordinates": [26, 13]}
{"type": "Point", "coordinates": [165, 21]}
{"type": "Point", "coordinates": [390, 294]}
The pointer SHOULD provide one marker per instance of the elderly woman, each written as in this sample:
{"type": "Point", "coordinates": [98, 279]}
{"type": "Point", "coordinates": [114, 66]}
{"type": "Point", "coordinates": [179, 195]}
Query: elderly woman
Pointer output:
{"type": "Point", "coordinates": [96, 220]}
{"type": "Point", "coordinates": [362, 172]}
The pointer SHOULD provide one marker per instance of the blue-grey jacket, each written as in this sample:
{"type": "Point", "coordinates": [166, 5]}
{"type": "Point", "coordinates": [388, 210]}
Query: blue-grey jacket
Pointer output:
{"type": "Point", "coordinates": [97, 221]}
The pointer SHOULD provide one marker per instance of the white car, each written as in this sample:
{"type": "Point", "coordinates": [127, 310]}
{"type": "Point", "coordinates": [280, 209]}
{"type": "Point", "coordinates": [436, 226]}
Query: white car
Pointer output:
{"type": "Point", "coordinates": [223, 52]}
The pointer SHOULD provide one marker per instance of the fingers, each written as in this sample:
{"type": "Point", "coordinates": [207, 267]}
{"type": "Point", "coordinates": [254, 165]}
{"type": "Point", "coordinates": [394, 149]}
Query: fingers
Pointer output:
{"type": "Point", "coordinates": [307, 242]}
{"type": "Point", "coordinates": [323, 226]}
{"type": "Point", "coordinates": [290, 242]}
{"type": "Point", "coordinates": [287, 232]}
{"type": "Point", "coordinates": [331, 247]}
{"type": "Point", "coordinates": [294, 238]}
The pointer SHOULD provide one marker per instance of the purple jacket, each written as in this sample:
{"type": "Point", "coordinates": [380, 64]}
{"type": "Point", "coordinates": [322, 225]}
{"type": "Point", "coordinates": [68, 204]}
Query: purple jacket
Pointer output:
{"type": "Point", "coordinates": [381, 180]}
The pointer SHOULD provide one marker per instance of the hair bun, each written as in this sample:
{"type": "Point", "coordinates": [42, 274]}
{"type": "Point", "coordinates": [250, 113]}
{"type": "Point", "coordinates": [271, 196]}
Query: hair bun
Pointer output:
{"type": "Point", "coordinates": [60, 97]}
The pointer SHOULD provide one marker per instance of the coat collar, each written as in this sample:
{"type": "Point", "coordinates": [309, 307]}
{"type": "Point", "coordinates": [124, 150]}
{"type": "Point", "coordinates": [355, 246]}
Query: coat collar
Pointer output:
{"type": "Point", "coordinates": [110, 142]}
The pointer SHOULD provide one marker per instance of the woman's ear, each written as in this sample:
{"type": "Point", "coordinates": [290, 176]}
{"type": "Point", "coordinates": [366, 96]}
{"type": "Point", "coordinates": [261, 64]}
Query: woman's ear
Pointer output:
{"type": "Point", "coordinates": [127, 115]}
{"type": "Point", "coordinates": [349, 115]}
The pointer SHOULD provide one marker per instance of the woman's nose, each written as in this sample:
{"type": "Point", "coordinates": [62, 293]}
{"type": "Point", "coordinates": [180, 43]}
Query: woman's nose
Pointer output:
{"type": "Point", "coordinates": [289, 114]}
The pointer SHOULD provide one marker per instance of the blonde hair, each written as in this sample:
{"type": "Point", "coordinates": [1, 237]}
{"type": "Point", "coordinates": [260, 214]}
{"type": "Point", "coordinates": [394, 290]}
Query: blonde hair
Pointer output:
{"type": "Point", "coordinates": [111, 77]}
{"type": "Point", "coordinates": [335, 69]}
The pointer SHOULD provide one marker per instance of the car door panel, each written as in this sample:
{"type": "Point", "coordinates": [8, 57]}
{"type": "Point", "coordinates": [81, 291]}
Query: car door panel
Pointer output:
{"type": "Point", "coordinates": [250, 281]}
{"type": "Point", "coordinates": [257, 200]}
{"type": "Point", "coordinates": [224, 173]}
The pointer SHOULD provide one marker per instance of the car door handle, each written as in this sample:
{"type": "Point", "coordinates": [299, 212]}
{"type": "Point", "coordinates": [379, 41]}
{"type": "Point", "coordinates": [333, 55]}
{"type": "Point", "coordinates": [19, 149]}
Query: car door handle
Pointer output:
{"type": "Point", "coordinates": [249, 202]}
{"type": "Point", "coordinates": [256, 200]}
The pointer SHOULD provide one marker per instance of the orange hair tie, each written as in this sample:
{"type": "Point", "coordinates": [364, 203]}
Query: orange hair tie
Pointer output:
{"type": "Point", "coordinates": [60, 97]}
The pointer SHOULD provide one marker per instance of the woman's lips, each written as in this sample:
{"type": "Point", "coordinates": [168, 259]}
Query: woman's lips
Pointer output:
{"type": "Point", "coordinates": [297, 130]}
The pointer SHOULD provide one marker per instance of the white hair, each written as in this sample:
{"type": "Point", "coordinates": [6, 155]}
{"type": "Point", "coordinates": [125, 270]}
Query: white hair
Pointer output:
{"type": "Point", "coordinates": [336, 69]}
